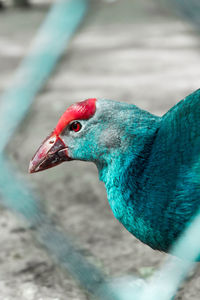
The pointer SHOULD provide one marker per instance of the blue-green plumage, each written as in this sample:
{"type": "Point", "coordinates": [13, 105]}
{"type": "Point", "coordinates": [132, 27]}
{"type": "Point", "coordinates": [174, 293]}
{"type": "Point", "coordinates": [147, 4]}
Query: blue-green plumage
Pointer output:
{"type": "Point", "coordinates": [150, 165]}
{"type": "Point", "coordinates": [156, 191]}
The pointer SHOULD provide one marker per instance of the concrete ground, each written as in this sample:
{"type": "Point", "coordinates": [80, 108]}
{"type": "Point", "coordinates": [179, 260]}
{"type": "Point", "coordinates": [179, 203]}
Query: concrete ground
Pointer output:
{"type": "Point", "coordinates": [137, 52]}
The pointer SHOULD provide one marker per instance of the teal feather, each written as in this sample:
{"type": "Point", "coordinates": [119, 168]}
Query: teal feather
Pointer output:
{"type": "Point", "coordinates": [154, 190]}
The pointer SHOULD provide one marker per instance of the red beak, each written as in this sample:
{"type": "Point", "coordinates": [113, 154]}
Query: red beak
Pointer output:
{"type": "Point", "coordinates": [52, 152]}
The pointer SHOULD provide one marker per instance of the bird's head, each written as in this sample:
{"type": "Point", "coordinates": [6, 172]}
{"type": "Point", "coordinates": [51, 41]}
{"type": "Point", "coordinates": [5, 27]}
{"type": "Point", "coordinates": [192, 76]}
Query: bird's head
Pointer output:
{"type": "Point", "coordinates": [92, 130]}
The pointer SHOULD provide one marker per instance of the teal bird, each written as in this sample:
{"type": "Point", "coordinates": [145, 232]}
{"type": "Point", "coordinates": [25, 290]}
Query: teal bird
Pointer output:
{"type": "Point", "coordinates": [150, 165]}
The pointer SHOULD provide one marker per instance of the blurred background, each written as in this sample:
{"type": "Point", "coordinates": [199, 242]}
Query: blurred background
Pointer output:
{"type": "Point", "coordinates": [145, 52]}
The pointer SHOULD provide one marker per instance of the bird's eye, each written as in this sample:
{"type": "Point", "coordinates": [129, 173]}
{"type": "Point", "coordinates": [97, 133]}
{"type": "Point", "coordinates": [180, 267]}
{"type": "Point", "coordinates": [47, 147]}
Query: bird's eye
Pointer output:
{"type": "Point", "coordinates": [75, 126]}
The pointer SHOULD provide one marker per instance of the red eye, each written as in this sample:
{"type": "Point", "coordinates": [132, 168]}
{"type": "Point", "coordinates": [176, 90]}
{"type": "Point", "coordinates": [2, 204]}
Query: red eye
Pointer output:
{"type": "Point", "coordinates": [75, 126]}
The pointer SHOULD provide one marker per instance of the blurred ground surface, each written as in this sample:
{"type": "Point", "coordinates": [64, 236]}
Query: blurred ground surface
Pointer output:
{"type": "Point", "coordinates": [133, 51]}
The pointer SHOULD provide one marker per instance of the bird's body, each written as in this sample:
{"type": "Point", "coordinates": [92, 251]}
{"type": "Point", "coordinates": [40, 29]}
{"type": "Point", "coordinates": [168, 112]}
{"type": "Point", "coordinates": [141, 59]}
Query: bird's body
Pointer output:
{"type": "Point", "coordinates": [150, 165]}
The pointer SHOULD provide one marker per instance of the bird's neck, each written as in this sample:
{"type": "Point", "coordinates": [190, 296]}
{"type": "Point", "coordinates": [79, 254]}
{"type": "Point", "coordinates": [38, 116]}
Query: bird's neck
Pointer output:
{"type": "Point", "coordinates": [123, 175]}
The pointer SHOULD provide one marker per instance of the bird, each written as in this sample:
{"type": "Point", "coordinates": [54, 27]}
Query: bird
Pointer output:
{"type": "Point", "coordinates": [150, 164]}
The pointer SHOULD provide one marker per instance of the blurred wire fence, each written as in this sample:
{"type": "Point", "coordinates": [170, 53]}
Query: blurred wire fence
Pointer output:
{"type": "Point", "coordinates": [187, 9]}
{"type": "Point", "coordinates": [53, 37]}
{"type": "Point", "coordinates": [190, 9]}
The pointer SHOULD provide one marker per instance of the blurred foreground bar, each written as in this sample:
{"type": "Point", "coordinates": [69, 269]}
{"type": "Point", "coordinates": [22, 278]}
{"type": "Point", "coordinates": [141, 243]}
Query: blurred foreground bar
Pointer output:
{"type": "Point", "coordinates": [59, 26]}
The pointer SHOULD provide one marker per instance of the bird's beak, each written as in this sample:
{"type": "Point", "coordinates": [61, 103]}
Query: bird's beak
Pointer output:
{"type": "Point", "coordinates": [52, 152]}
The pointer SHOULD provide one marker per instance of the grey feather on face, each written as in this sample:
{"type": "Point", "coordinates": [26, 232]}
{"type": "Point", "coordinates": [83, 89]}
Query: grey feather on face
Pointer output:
{"type": "Point", "coordinates": [110, 138]}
